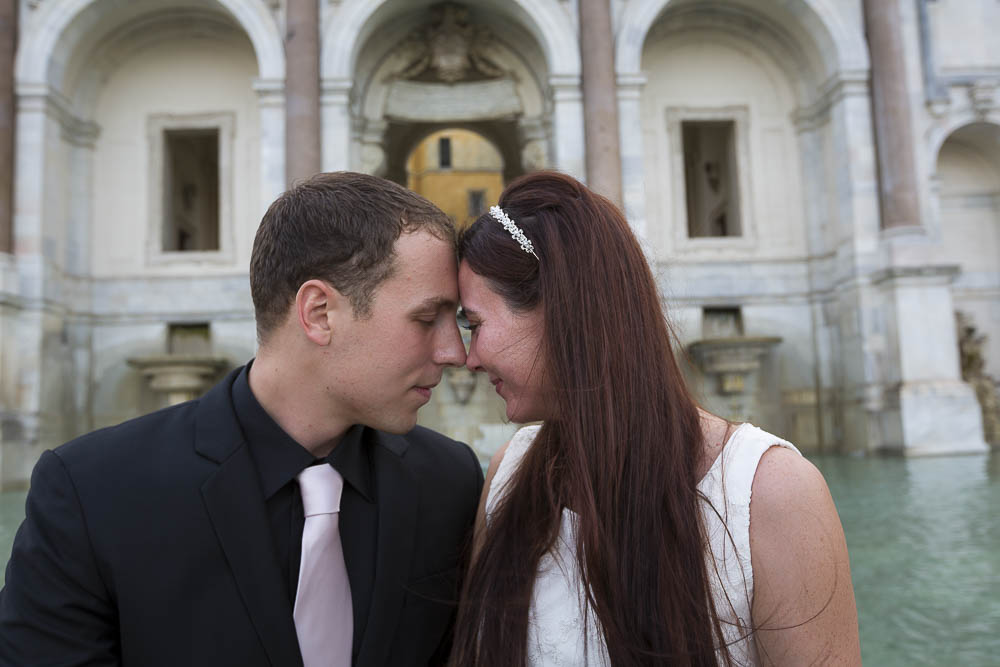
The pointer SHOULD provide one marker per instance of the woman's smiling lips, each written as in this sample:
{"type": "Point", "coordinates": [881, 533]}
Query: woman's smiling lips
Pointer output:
{"type": "Point", "coordinates": [424, 391]}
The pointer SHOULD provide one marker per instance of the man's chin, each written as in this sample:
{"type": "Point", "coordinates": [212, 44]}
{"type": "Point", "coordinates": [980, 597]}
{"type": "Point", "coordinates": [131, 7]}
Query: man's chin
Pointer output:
{"type": "Point", "coordinates": [399, 426]}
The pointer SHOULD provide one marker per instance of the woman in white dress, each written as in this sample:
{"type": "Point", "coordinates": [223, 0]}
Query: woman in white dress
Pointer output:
{"type": "Point", "coordinates": [621, 531]}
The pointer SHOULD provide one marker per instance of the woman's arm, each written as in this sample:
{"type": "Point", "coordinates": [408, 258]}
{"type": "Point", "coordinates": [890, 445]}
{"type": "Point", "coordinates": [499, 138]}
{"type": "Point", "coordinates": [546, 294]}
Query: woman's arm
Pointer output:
{"type": "Point", "coordinates": [803, 607]}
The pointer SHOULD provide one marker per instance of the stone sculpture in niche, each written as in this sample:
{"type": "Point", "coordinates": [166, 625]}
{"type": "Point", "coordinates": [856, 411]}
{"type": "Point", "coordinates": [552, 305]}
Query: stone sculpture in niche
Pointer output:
{"type": "Point", "coordinates": [450, 49]}
{"type": "Point", "coordinates": [970, 346]}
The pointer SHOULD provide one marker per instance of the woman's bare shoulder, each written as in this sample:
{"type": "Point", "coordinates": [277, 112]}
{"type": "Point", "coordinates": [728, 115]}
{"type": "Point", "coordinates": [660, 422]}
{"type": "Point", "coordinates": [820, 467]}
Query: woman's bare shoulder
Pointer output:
{"type": "Point", "coordinates": [803, 598]}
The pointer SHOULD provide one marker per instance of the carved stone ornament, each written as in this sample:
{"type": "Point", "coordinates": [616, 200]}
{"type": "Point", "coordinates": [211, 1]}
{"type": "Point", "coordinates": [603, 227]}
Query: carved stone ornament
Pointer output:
{"type": "Point", "coordinates": [450, 49]}
{"type": "Point", "coordinates": [983, 97]}
{"type": "Point", "coordinates": [970, 346]}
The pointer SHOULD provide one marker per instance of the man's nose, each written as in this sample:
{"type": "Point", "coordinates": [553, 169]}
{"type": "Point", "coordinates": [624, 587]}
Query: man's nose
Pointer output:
{"type": "Point", "coordinates": [472, 361]}
{"type": "Point", "coordinates": [450, 350]}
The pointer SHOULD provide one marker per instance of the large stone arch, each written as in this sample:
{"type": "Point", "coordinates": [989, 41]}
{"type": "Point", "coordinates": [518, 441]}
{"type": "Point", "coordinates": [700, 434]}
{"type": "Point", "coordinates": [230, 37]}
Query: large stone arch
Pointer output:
{"type": "Point", "coordinates": [364, 53]}
{"type": "Point", "coordinates": [70, 47]}
{"type": "Point", "coordinates": [346, 31]}
{"type": "Point", "coordinates": [55, 28]}
{"type": "Point", "coordinates": [940, 133]}
{"type": "Point", "coordinates": [808, 38]}
{"type": "Point", "coordinates": [844, 47]}
{"type": "Point", "coordinates": [966, 225]}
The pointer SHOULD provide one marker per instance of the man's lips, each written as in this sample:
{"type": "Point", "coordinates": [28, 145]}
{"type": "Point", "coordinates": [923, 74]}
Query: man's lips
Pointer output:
{"type": "Point", "coordinates": [425, 390]}
{"type": "Point", "coordinates": [497, 384]}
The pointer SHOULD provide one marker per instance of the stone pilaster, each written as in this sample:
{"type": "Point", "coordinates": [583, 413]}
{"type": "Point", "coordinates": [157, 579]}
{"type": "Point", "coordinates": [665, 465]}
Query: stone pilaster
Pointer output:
{"type": "Point", "coordinates": [600, 104]}
{"type": "Point", "coordinates": [630, 124]}
{"type": "Point", "coordinates": [927, 409]}
{"type": "Point", "coordinates": [567, 118]}
{"type": "Point", "coordinates": [271, 106]}
{"type": "Point", "coordinates": [8, 49]}
{"type": "Point", "coordinates": [302, 126]}
{"type": "Point", "coordinates": [893, 125]}
{"type": "Point", "coordinates": [338, 150]}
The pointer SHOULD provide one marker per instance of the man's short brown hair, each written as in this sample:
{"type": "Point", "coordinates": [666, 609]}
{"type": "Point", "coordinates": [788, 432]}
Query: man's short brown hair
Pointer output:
{"type": "Point", "coordinates": [340, 227]}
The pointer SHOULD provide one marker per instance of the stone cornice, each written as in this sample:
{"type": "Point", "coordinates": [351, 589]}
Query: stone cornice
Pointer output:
{"type": "Point", "coordinates": [944, 273]}
{"type": "Point", "coordinates": [43, 98]}
{"type": "Point", "coordinates": [836, 88]}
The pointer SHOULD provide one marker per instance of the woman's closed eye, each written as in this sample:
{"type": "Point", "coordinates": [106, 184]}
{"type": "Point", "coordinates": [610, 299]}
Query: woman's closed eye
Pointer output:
{"type": "Point", "coordinates": [465, 322]}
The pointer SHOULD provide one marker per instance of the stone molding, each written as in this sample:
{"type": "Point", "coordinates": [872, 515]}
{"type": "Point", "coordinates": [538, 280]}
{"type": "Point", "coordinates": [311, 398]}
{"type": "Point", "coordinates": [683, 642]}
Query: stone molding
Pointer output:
{"type": "Point", "coordinates": [42, 98]}
{"type": "Point", "coordinates": [941, 274]}
{"type": "Point", "coordinates": [156, 124]}
{"type": "Point", "coordinates": [270, 93]}
{"type": "Point", "coordinates": [835, 89]}
{"type": "Point", "coordinates": [566, 87]}
{"type": "Point", "coordinates": [419, 102]}
{"type": "Point", "coordinates": [684, 244]}
{"type": "Point", "coordinates": [631, 84]}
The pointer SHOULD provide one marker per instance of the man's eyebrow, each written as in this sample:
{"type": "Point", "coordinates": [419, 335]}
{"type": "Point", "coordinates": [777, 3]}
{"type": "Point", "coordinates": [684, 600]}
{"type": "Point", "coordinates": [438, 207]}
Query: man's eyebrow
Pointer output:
{"type": "Point", "coordinates": [435, 303]}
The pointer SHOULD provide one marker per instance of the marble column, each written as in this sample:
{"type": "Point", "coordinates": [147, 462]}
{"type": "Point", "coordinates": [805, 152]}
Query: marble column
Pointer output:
{"type": "Point", "coordinates": [600, 104]}
{"type": "Point", "coordinates": [893, 125]}
{"type": "Point", "coordinates": [302, 126]}
{"type": "Point", "coordinates": [8, 49]}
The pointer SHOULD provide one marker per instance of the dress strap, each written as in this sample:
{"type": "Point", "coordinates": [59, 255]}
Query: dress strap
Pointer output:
{"type": "Point", "coordinates": [725, 510]}
{"type": "Point", "coordinates": [736, 466]}
{"type": "Point", "coordinates": [516, 450]}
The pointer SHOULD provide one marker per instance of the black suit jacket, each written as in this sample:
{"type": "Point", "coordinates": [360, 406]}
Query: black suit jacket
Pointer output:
{"type": "Point", "coordinates": [148, 544]}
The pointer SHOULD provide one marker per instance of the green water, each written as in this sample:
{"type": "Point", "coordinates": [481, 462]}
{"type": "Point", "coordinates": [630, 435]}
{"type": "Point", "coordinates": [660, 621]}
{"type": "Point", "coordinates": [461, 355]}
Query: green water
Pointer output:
{"type": "Point", "coordinates": [924, 539]}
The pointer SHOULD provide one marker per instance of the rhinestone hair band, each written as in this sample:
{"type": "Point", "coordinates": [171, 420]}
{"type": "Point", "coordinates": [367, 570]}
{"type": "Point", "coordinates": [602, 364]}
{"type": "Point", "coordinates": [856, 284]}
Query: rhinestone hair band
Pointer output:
{"type": "Point", "coordinates": [512, 229]}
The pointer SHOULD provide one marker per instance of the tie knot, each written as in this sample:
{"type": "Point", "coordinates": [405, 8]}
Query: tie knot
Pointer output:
{"type": "Point", "coordinates": [321, 487]}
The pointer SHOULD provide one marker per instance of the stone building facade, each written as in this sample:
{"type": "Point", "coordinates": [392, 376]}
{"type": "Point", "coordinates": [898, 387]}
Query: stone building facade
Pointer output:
{"type": "Point", "coordinates": [817, 183]}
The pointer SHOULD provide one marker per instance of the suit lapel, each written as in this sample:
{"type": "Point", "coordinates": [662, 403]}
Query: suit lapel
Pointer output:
{"type": "Point", "coordinates": [397, 513]}
{"type": "Point", "coordinates": [235, 504]}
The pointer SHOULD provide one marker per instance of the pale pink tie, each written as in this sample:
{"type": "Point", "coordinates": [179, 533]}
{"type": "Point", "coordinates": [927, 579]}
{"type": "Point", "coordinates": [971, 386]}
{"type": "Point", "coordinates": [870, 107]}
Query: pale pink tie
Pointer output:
{"type": "Point", "coordinates": [324, 619]}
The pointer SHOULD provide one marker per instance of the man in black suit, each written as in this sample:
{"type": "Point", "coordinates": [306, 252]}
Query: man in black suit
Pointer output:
{"type": "Point", "coordinates": [175, 539]}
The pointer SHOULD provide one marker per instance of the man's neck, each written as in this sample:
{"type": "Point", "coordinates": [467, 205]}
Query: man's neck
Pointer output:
{"type": "Point", "coordinates": [292, 401]}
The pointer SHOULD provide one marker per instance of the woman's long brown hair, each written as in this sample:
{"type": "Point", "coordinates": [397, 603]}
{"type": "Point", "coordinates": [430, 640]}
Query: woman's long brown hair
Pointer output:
{"type": "Point", "coordinates": [620, 447]}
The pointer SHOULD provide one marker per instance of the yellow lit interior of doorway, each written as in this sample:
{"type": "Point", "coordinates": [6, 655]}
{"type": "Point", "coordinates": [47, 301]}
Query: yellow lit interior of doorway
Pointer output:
{"type": "Point", "coordinates": [458, 170]}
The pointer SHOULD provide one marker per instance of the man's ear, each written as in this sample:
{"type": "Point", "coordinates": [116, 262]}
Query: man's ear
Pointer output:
{"type": "Point", "coordinates": [317, 304]}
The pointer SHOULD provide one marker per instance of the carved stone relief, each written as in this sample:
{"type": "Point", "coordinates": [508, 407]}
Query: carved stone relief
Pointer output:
{"type": "Point", "coordinates": [450, 49]}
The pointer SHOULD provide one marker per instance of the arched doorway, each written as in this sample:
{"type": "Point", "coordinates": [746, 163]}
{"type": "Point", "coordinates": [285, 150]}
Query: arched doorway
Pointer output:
{"type": "Point", "coordinates": [968, 180]}
{"type": "Point", "coordinates": [459, 170]}
{"type": "Point", "coordinates": [427, 71]}
{"type": "Point", "coordinates": [109, 94]}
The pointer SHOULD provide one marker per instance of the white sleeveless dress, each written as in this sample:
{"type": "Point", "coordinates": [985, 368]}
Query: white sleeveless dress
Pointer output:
{"type": "Point", "coordinates": [556, 633]}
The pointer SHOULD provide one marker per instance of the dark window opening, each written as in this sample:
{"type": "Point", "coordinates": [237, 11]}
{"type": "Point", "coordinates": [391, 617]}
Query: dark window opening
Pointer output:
{"type": "Point", "coordinates": [191, 190]}
{"type": "Point", "coordinates": [444, 152]}
{"type": "Point", "coordinates": [710, 183]}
